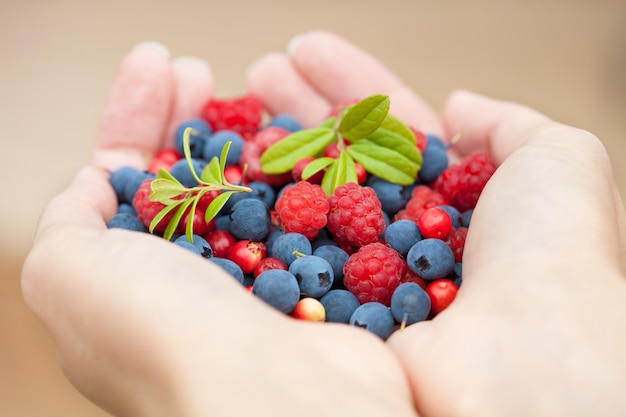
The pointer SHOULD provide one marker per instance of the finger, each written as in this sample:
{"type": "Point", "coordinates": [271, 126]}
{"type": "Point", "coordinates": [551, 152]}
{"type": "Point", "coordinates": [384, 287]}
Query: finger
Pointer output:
{"type": "Point", "coordinates": [194, 85]}
{"type": "Point", "coordinates": [554, 187]}
{"type": "Point", "coordinates": [282, 89]}
{"type": "Point", "coordinates": [137, 108]}
{"type": "Point", "coordinates": [340, 71]}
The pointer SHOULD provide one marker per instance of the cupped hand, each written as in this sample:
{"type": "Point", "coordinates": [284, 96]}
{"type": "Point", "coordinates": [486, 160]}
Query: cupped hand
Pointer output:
{"type": "Point", "coordinates": [145, 328]}
{"type": "Point", "coordinates": [539, 325]}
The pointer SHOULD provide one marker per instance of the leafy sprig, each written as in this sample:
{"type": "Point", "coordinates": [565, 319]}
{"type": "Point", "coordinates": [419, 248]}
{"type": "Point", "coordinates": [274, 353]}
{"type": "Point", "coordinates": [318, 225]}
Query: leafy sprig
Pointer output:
{"type": "Point", "coordinates": [365, 133]}
{"type": "Point", "coordinates": [178, 199]}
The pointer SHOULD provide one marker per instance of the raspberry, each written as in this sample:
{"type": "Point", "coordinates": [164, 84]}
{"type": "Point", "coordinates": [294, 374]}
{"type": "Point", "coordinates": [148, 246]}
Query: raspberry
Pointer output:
{"type": "Point", "coordinates": [373, 273]}
{"type": "Point", "coordinates": [147, 210]}
{"type": "Point", "coordinates": [462, 183]}
{"type": "Point", "coordinates": [241, 114]}
{"type": "Point", "coordinates": [355, 214]}
{"type": "Point", "coordinates": [302, 208]}
{"type": "Point", "coordinates": [422, 198]}
{"type": "Point", "coordinates": [456, 241]}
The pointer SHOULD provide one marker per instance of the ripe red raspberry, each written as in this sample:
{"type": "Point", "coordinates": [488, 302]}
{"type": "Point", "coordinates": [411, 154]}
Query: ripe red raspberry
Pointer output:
{"type": "Point", "coordinates": [462, 183]}
{"type": "Point", "coordinates": [241, 114]}
{"type": "Point", "coordinates": [254, 148]}
{"type": "Point", "coordinates": [147, 210]}
{"type": "Point", "coordinates": [456, 242]}
{"type": "Point", "coordinates": [302, 208]}
{"type": "Point", "coordinates": [373, 273]}
{"type": "Point", "coordinates": [355, 214]}
{"type": "Point", "coordinates": [422, 198]}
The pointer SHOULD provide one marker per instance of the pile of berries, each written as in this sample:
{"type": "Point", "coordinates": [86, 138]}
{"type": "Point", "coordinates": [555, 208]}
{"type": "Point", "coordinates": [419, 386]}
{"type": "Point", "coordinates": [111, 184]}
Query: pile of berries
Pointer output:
{"type": "Point", "coordinates": [373, 254]}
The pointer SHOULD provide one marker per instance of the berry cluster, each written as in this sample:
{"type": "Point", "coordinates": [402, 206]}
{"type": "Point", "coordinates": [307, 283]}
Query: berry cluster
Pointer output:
{"type": "Point", "coordinates": [372, 253]}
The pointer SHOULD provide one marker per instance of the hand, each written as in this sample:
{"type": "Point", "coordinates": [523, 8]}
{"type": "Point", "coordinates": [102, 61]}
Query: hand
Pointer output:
{"type": "Point", "coordinates": [539, 325]}
{"type": "Point", "coordinates": [145, 328]}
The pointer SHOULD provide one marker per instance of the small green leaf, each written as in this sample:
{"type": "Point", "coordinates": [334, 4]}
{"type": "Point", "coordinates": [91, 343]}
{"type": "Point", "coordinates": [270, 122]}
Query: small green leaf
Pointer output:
{"type": "Point", "coordinates": [173, 224]}
{"type": "Point", "coordinates": [329, 123]}
{"type": "Point", "coordinates": [364, 118]}
{"type": "Point", "coordinates": [190, 220]}
{"type": "Point", "coordinates": [166, 175]}
{"type": "Point", "coordinates": [385, 163]}
{"type": "Point", "coordinates": [315, 166]}
{"type": "Point", "coordinates": [216, 205]}
{"type": "Point", "coordinates": [223, 157]}
{"type": "Point", "coordinates": [212, 174]}
{"type": "Point", "coordinates": [328, 181]}
{"type": "Point", "coordinates": [164, 190]}
{"type": "Point", "coordinates": [283, 155]}
{"type": "Point", "coordinates": [395, 125]}
{"type": "Point", "coordinates": [161, 214]}
{"type": "Point", "coordinates": [347, 166]}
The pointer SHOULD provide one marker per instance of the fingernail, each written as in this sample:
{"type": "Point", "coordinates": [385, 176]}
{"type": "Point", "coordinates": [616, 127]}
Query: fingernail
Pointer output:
{"type": "Point", "coordinates": [192, 61]}
{"type": "Point", "coordinates": [154, 46]}
{"type": "Point", "coordinates": [293, 44]}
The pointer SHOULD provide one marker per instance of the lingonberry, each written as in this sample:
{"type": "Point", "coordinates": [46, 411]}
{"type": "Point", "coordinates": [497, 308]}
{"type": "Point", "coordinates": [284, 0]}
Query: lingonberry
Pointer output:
{"type": "Point", "coordinates": [220, 241]}
{"type": "Point", "coordinates": [442, 293]}
{"type": "Point", "coordinates": [434, 223]}
{"type": "Point", "coordinates": [247, 254]}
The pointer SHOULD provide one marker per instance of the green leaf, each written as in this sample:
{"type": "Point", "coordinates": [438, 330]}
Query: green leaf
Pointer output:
{"type": "Point", "coordinates": [223, 157]}
{"type": "Point", "coordinates": [166, 175]}
{"type": "Point", "coordinates": [364, 118]}
{"type": "Point", "coordinates": [173, 224]}
{"type": "Point", "coordinates": [212, 173]}
{"type": "Point", "coordinates": [329, 123]}
{"type": "Point", "coordinates": [315, 166]}
{"type": "Point", "coordinates": [164, 190]}
{"type": "Point", "coordinates": [392, 124]}
{"type": "Point", "coordinates": [394, 135]}
{"type": "Point", "coordinates": [385, 163]}
{"type": "Point", "coordinates": [283, 155]}
{"type": "Point", "coordinates": [161, 214]}
{"type": "Point", "coordinates": [347, 166]}
{"type": "Point", "coordinates": [190, 220]}
{"type": "Point", "coordinates": [216, 205]}
{"type": "Point", "coordinates": [328, 181]}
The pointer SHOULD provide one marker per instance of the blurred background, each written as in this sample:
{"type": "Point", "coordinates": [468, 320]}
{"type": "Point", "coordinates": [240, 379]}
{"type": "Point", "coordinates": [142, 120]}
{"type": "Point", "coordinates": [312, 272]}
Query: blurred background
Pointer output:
{"type": "Point", "coordinates": [565, 57]}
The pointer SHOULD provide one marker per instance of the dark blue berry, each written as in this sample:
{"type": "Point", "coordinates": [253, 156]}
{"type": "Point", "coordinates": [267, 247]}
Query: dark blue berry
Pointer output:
{"type": "Point", "coordinates": [410, 303]}
{"type": "Point", "coordinates": [335, 256]}
{"type": "Point", "coordinates": [214, 144]}
{"type": "Point", "coordinates": [250, 219]}
{"type": "Point", "coordinates": [466, 217]}
{"type": "Point", "coordinates": [434, 162]}
{"type": "Point", "coordinates": [286, 246]}
{"type": "Point", "coordinates": [126, 221]}
{"type": "Point", "coordinates": [118, 180]}
{"type": "Point", "coordinates": [197, 139]}
{"type": "Point", "coordinates": [374, 317]}
{"type": "Point", "coordinates": [126, 208]}
{"type": "Point", "coordinates": [339, 305]}
{"type": "Point", "coordinates": [278, 288]}
{"type": "Point", "coordinates": [392, 196]}
{"type": "Point", "coordinates": [260, 190]}
{"type": "Point", "coordinates": [401, 235]}
{"type": "Point", "coordinates": [183, 243]}
{"type": "Point", "coordinates": [180, 170]}
{"type": "Point", "coordinates": [430, 259]}
{"type": "Point", "coordinates": [199, 242]}
{"type": "Point", "coordinates": [133, 184]}
{"type": "Point", "coordinates": [229, 266]}
{"type": "Point", "coordinates": [314, 274]}
{"type": "Point", "coordinates": [285, 121]}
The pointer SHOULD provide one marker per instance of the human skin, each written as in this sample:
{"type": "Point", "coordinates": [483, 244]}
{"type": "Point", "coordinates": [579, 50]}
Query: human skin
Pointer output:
{"type": "Point", "coordinates": [538, 327]}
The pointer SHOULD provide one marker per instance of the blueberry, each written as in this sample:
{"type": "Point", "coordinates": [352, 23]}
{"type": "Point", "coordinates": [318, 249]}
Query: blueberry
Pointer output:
{"type": "Point", "coordinates": [430, 258]}
{"type": "Point", "coordinates": [183, 243]}
{"type": "Point", "coordinates": [278, 288]}
{"type": "Point", "coordinates": [410, 303]}
{"type": "Point", "coordinates": [455, 215]}
{"type": "Point", "coordinates": [214, 144]}
{"type": "Point", "coordinates": [126, 208]}
{"type": "Point", "coordinates": [434, 162]}
{"type": "Point", "coordinates": [133, 183]}
{"type": "Point", "coordinates": [229, 266]}
{"type": "Point", "coordinates": [314, 274]}
{"type": "Point", "coordinates": [197, 139]}
{"type": "Point", "coordinates": [456, 275]}
{"type": "Point", "coordinates": [180, 170]}
{"type": "Point", "coordinates": [434, 140]}
{"type": "Point", "coordinates": [401, 235]}
{"type": "Point", "coordinates": [335, 256]}
{"type": "Point", "coordinates": [250, 219]}
{"type": "Point", "coordinates": [374, 317]}
{"type": "Point", "coordinates": [260, 190]}
{"type": "Point", "coordinates": [392, 196]}
{"type": "Point", "coordinates": [126, 221]}
{"type": "Point", "coordinates": [286, 244]}
{"type": "Point", "coordinates": [118, 180]}
{"type": "Point", "coordinates": [285, 121]}
{"type": "Point", "coordinates": [466, 217]}
{"type": "Point", "coordinates": [274, 234]}
{"type": "Point", "coordinates": [339, 305]}
{"type": "Point", "coordinates": [200, 243]}
{"type": "Point", "coordinates": [222, 222]}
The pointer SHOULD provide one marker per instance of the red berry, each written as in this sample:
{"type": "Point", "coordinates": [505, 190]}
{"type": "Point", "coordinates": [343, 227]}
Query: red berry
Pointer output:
{"type": "Point", "coordinates": [221, 241]}
{"type": "Point", "coordinates": [355, 214]}
{"type": "Point", "coordinates": [247, 254]}
{"type": "Point", "coordinates": [373, 273]}
{"type": "Point", "coordinates": [434, 223]}
{"type": "Point", "coordinates": [302, 208]}
{"type": "Point", "coordinates": [234, 175]}
{"type": "Point", "coordinates": [462, 183]}
{"type": "Point", "coordinates": [309, 309]}
{"type": "Point", "coordinates": [241, 114]}
{"type": "Point", "coordinates": [147, 210]}
{"type": "Point", "coordinates": [251, 156]}
{"type": "Point", "coordinates": [442, 293]}
{"type": "Point", "coordinates": [456, 242]}
{"type": "Point", "coordinates": [420, 139]}
{"type": "Point", "coordinates": [299, 167]}
{"type": "Point", "coordinates": [361, 173]}
{"type": "Point", "coordinates": [200, 227]}
{"type": "Point", "coordinates": [422, 197]}
{"type": "Point", "coordinates": [411, 276]}
{"type": "Point", "coordinates": [269, 263]}
{"type": "Point", "coordinates": [164, 159]}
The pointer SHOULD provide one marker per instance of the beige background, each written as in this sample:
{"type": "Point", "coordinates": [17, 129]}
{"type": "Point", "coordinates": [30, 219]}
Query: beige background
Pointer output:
{"type": "Point", "coordinates": [567, 58]}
